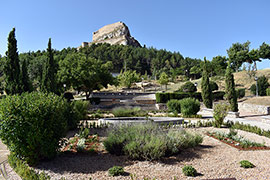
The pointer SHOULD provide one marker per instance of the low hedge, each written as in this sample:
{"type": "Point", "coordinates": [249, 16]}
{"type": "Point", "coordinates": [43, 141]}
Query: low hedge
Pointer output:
{"type": "Point", "coordinates": [165, 97]}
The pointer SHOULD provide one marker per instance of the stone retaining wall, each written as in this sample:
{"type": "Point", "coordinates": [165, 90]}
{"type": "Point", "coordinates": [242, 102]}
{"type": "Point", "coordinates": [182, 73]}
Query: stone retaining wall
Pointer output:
{"type": "Point", "coordinates": [254, 108]}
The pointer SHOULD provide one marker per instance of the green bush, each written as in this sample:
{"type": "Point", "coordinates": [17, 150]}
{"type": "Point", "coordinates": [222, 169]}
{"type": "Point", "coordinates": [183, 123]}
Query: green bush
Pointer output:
{"type": "Point", "coordinates": [116, 171]}
{"type": "Point", "coordinates": [246, 164]}
{"type": "Point", "coordinates": [262, 86]}
{"type": "Point", "coordinates": [188, 87]}
{"type": "Point", "coordinates": [24, 171]}
{"type": "Point", "coordinates": [189, 171]}
{"type": "Point", "coordinates": [33, 124]}
{"type": "Point", "coordinates": [128, 112]}
{"type": "Point", "coordinates": [174, 106]}
{"type": "Point", "coordinates": [189, 106]}
{"type": "Point", "coordinates": [218, 95]}
{"type": "Point", "coordinates": [165, 97]}
{"type": "Point", "coordinates": [268, 92]}
{"type": "Point", "coordinates": [77, 111]}
{"type": "Point", "coordinates": [148, 141]}
{"type": "Point", "coordinates": [220, 112]}
{"type": "Point", "coordinates": [213, 86]}
{"type": "Point", "coordinates": [240, 93]}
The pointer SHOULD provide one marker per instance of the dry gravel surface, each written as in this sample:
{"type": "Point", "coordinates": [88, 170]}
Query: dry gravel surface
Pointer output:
{"type": "Point", "coordinates": [213, 159]}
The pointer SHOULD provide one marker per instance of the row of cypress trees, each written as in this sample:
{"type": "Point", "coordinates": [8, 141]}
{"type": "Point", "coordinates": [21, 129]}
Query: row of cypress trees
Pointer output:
{"type": "Point", "coordinates": [229, 88]}
{"type": "Point", "coordinates": [16, 76]}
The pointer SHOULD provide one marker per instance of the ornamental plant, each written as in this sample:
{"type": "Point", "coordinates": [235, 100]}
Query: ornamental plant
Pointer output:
{"type": "Point", "coordinates": [189, 171]}
{"type": "Point", "coordinates": [220, 112]}
{"type": "Point", "coordinates": [32, 125]}
{"type": "Point", "coordinates": [206, 88]}
{"type": "Point", "coordinates": [230, 89]}
{"type": "Point", "coordinates": [189, 106]}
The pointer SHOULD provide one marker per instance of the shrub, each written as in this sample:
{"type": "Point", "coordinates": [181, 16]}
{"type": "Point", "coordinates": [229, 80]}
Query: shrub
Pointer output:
{"type": "Point", "coordinates": [213, 86]}
{"type": "Point", "coordinates": [116, 171]}
{"type": "Point", "coordinates": [218, 95]}
{"type": "Point", "coordinates": [189, 106]}
{"type": "Point", "coordinates": [188, 87]}
{"type": "Point", "coordinates": [220, 112]}
{"type": "Point", "coordinates": [206, 88]}
{"type": "Point", "coordinates": [240, 93]}
{"type": "Point", "coordinates": [246, 164]}
{"type": "Point", "coordinates": [33, 124]}
{"type": "Point", "coordinates": [262, 86]}
{"type": "Point", "coordinates": [189, 171]}
{"type": "Point", "coordinates": [268, 92]}
{"type": "Point", "coordinates": [77, 111]}
{"type": "Point", "coordinates": [24, 171]}
{"type": "Point", "coordinates": [147, 141]}
{"type": "Point", "coordinates": [128, 112]}
{"type": "Point", "coordinates": [165, 97]}
{"type": "Point", "coordinates": [174, 106]}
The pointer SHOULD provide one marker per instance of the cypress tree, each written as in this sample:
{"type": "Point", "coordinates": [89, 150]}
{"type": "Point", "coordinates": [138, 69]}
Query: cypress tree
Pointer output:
{"type": "Point", "coordinates": [206, 88]}
{"type": "Point", "coordinates": [48, 83]}
{"type": "Point", "coordinates": [230, 88]}
{"type": "Point", "coordinates": [13, 84]}
{"type": "Point", "coordinates": [26, 84]}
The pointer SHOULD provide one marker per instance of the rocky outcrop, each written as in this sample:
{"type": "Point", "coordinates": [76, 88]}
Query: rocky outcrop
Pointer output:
{"type": "Point", "coordinates": [116, 33]}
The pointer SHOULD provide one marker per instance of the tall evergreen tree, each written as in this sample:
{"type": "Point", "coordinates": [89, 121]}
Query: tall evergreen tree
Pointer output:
{"type": "Point", "coordinates": [230, 88]}
{"type": "Point", "coordinates": [13, 84]}
{"type": "Point", "coordinates": [48, 83]}
{"type": "Point", "coordinates": [26, 84]}
{"type": "Point", "coordinates": [206, 88]}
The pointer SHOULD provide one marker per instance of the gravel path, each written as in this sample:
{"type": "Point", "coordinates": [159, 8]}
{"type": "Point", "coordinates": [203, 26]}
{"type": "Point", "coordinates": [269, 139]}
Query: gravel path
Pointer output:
{"type": "Point", "coordinates": [213, 159]}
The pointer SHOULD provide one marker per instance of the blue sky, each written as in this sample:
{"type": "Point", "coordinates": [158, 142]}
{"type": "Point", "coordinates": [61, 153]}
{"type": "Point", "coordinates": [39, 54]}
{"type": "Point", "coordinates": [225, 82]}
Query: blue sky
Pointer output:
{"type": "Point", "coordinates": [195, 28]}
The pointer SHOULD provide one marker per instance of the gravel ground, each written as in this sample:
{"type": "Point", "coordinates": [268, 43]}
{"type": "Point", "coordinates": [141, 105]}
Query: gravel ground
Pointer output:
{"type": "Point", "coordinates": [213, 159]}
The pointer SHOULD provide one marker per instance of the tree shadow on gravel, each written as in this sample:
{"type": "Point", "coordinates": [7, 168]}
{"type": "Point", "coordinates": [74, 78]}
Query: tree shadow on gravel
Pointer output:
{"type": "Point", "coordinates": [188, 154]}
{"type": "Point", "coordinates": [84, 163]}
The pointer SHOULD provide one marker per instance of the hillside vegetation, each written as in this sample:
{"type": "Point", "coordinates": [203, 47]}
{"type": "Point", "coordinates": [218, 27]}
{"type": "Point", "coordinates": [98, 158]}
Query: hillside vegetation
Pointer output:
{"type": "Point", "coordinates": [242, 80]}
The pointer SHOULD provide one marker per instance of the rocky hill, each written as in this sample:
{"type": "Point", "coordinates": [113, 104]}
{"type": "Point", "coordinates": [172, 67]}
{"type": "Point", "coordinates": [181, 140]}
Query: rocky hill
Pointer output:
{"type": "Point", "coordinates": [116, 33]}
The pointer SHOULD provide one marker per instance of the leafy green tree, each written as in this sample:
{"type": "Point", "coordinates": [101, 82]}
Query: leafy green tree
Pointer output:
{"type": "Point", "coordinates": [13, 84]}
{"type": "Point", "coordinates": [230, 88]}
{"type": "Point", "coordinates": [238, 54]}
{"type": "Point", "coordinates": [206, 88]}
{"type": "Point", "coordinates": [163, 79]}
{"type": "Point", "coordinates": [219, 63]}
{"type": "Point", "coordinates": [84, 73]}
{"type": "Point", "coordinates": [48, 83]}
{"type": "Point", "coordinates": [26, 84]}
{"type": "Point", "coordinates": [264, 51]}
{"type": "Point", "coordinates": [127, 78]}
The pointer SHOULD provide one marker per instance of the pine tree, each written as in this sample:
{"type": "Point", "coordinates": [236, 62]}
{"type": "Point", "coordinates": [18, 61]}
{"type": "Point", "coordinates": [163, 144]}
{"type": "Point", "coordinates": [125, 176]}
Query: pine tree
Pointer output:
{"type": "Point", "coordinates": [26, 84]}
{"type": "Point", "coordinates": [48, 83]}
{"type": "Point", "coordinates": [206, 88]}
{"type": "Point", "coordinates": [230, 88]}
{"type": "Point", "coordinates": [13, 84]}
